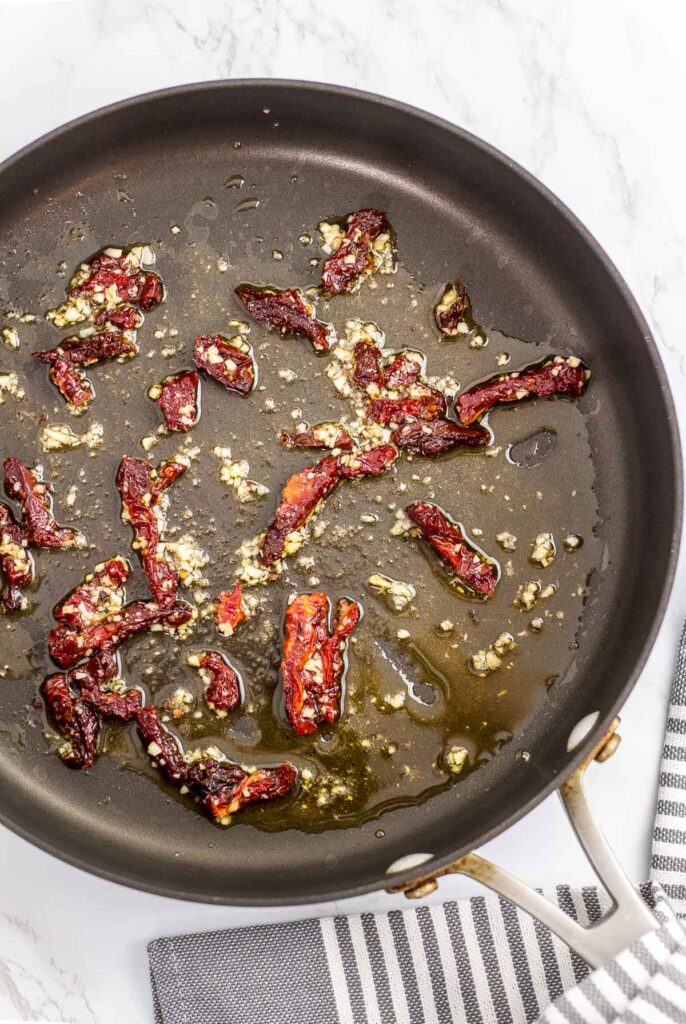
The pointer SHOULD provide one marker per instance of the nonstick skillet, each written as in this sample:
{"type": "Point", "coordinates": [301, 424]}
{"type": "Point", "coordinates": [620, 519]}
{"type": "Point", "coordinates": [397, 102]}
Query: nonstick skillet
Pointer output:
{"type": "Point", "coordinates": [134, 171]}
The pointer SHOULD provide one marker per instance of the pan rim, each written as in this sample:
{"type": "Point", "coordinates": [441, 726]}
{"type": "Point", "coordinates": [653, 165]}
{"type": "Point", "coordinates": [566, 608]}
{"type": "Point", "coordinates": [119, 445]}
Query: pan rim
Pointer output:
{"type": "Point", "coordinates": [549, 197]}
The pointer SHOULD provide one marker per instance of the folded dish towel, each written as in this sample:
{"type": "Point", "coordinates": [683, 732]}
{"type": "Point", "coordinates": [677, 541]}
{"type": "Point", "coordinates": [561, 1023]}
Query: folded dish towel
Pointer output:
{"type": "Point", "coordinates": [477, 960]}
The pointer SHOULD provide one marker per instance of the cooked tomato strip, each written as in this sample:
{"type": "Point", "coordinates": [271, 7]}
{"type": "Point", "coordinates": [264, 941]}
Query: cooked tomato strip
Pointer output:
{"type": "Point", "coordinates": [114, 276]}
{"type": "Point", "coordinates": [142, 489]}
{"type": "Point", "coordinates": [222, 787]}
{"type": "Point", "coordinates": [222, 682]}
{"type": "Point", "coordinates": [437, 436]}
{"type": "Point", "coordinates": [262, 784]}
{"type": "Point", "coordinates": [453, 309]}
{"type": "Point", "coordinates": [366, 463]}
{"type": "Point", "coordinates": [398, 410]}
{"type": "Point", "coordinates": [97, 685]}
{"type": "Point", "coordinates": [312, 663]}
{"type": "Point", "coordinates": [401, 398]}
{"type": "Point", "coordinates": [287, 310]}
{"type": "Point", "coordinates": [304, 491]}
{"type": "Point", "coordinates": [367, 371]}
{"type": "Point", "coordinates": [101, 594]}
{"type": "Point", "coordinates": [301, 494]}
{"type": "Point", "coordinates": [228, 360]}
{"type": "Point", "coordinates": [16, 563]}
{"type": "Point", "coordinates": [77, 722]}
{"type": "Point", "coordinates": [122, 705]}
{"type": "Point", "coordinates": [72, 384]}
{"type": "Point", "coordinates": [123, 318]}
{"type": "Point", "coordinates": [66, 359]}
{"type": "Point", "coordinates": [98, 669]}
{"type": "Point", "coordinates": [164, 748]}
{"type": "Point", "coordinates": [68, 644]}
{"type": "Point", "coordinates": [110, 289]}
{"type": "Point", "coordinates": [473, 572]}
{"type": "Point", "coordinates": [356, 257]}
{"type": "Point", "coordinates": [402, 371]}
{"type": "Point", "coordinates": [229, 609]}
{"type": "Point", "coordinates": [41, 530]}
{"type": "Point", "coordinates": [346, 616]}
{"type": "Point", "coordinates": [95, 348]}
{"type": "Point", "coordinates": [178, 398]}
{"type": "Point", "coordinates": [556, 376]}
{"type": "Point", "coordinates": [322, 435]}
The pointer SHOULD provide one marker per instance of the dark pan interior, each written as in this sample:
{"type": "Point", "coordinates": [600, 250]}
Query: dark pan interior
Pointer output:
{"type": "Point", "coordinates": [456, 204]}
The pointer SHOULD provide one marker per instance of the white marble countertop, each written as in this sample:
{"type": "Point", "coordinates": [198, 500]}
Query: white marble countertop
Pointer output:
{"type": "Point", "coordinates": [586, 94]}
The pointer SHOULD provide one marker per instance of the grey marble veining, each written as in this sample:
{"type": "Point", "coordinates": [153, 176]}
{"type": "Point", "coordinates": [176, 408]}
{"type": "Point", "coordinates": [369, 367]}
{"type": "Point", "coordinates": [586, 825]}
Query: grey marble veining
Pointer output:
{"type": "Point", "coordinates": [588, 95]}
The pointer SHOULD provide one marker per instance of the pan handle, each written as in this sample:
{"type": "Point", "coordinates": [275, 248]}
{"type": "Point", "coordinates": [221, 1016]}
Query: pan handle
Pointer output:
{"type": "Point", "coordinates": [628, 919]}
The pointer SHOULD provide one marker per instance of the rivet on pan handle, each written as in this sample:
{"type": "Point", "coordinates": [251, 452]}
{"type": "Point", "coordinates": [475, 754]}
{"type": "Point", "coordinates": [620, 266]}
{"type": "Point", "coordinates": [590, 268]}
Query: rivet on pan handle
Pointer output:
{"type": "Point", "coordinates": [629, 917]}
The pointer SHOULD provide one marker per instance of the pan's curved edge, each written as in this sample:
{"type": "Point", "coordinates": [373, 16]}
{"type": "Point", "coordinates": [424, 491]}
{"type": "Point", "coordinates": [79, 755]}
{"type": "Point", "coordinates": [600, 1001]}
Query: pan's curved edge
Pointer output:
{"type": "Point", "coordinates": [598, 251]}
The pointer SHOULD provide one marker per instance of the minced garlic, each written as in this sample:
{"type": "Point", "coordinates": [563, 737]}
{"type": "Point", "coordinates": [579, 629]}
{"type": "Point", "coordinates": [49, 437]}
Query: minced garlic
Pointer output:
{"type": "Point", "coordinates": [398, 594]}
{"type": "Point", "coordinates": [543, 550]}
{"type": "Point", "coordinates": [10, 336]}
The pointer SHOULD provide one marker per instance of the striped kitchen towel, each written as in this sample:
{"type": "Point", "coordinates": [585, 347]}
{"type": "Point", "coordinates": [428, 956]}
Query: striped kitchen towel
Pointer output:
{"type": "Point", "coordinates": [668, 865]}
{"type": "Point", "coordinates": [476, 961]}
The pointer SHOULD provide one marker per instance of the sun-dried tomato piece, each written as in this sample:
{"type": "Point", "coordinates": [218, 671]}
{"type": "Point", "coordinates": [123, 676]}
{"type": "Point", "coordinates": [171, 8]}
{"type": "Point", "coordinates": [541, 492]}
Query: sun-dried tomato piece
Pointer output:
{"type": "Point", "coordinates": [223, 787]}
{"type": "Point", "coordinates": [151, 291]}
{"type": "Point", "coordinates": [101, 594]}
{"type": "Point", "coordinates": [35, 495]}
{"type": "Point", "coordinates": [399, 372]}
{"type": "Point", "coordinates": [312, 663]}
{"type": "Point", "coordinates": [301, 494]}
{"type": "Point", "coordinates": [72, 353]}
{"type": "Point", "coordinates": [322, 435]}
{"type": "Point", "coordinates": [222, 682]}
{"type": "Point", "coordinates": [402, 371]}
{"type": "Point", "coordinates": [453, 309]}
{"type": "Point", "coordinates": [114, 276]}
{"type": "Point", "coordinates": [96, 683]}
{"type": "Point", "coordinates": [346, 616]}
{"type": "Point", "coordinates": [228, 360]}
{"type": "Point", "coordinates": [357, 256]}
{"type": "Point", "coordinates": [77, 722]}
{"type": "Point", "coordinates": [229, 609]}
{"type": "Point", "coordinates": [473, 571]}
{"type": "Point", "coordinates": [142, 489]}
{"type": "Point", "coordinates": [308, 699]}
{"type": "Point", "coordinates": [68, 645]}
{"type": "Point", "coordinates": [162, 747]}
{"type": "Point", "coordinates": [556, 376]}
{"type": "Point", "coordinates": [111, 281]}
{"type": "Point", "coordinates": [113, 703]}
{"type": "Point", "coordinates": [95, 348]}
{"type": "Point", "coordinates": [178, 398]}
{"type": "Point", "coordinates": [434, 437]}
{"type": "Point", "coordinates": [74, 386]}
{"type": "Point", "coordinates": [398, 410]}
{"type": "Point", "coordinates": [214, 781]}
{"type": "Point", "coordinates": [367, 369]}
{"type": "Point", "coordinates": [100, 668]}
{"type": "Point", "coordinates": [124, 318]}
{"type": "Point", "coordinates": [262, 784]}
{"type": "Point", "coordinates": [304, 490]}
{"type": "Point", "coordinates": [287, 310]}
{"type": "Point", "coordinates": [16, 563]}
{"type": "Point", "coordinates": [371, 462]}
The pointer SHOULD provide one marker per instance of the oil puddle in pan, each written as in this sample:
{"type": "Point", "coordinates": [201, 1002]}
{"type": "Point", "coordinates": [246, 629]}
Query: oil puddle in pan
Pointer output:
{"type": "Point", "coordinates": [531, 451]}
{"type": "Point", "coordinates": [410, 698]}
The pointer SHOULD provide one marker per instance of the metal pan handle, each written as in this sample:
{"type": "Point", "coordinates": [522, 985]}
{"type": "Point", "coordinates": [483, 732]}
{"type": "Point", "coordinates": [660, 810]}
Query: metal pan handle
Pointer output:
{"type": "Point", "coordinates": [627, 920]}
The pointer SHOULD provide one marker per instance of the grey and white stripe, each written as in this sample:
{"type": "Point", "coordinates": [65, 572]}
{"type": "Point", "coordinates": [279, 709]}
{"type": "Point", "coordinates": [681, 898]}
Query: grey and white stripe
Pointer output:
{"type": "Point", "coordinates": [668, 866]}
{"type": "Point", "coordinates": [479, 961]}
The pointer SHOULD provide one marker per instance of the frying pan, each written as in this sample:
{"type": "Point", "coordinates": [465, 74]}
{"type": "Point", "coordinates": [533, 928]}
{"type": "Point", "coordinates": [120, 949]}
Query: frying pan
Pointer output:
{"type": "Point", "coordinates": [540, 276]}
